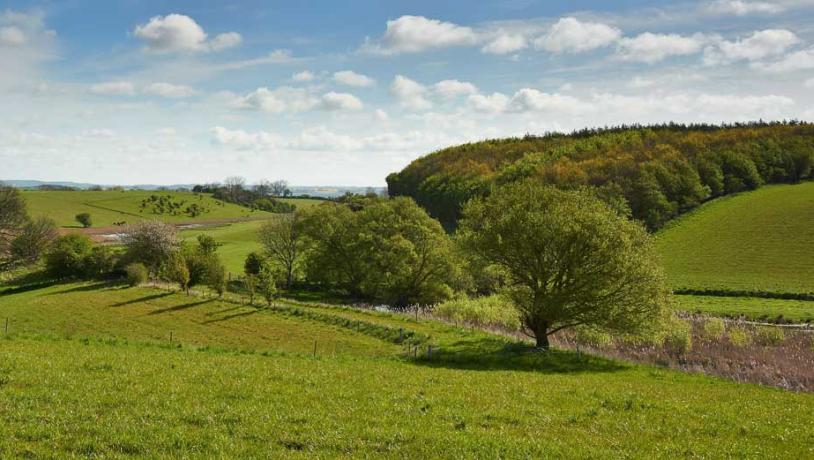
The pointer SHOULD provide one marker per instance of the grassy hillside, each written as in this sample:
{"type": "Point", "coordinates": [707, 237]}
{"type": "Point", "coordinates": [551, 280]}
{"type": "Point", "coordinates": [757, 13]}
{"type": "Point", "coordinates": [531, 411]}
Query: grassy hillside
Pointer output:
{"type": "Point", "coordinates": [761, 240]}
{"type": "Point", "coordinates": [478, 395]}
{"type": "Point", "coordinates": [751, 307]}
{"type": "Point", "coordinates": [107, 207]}
{"type": "Point", "coordinates": [237, 240]}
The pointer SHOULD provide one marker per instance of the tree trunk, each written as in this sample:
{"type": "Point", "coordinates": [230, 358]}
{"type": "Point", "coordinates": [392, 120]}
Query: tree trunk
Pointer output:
{"type": "Point", "coordinates": [542, 339]}
{"type": "Point", "coordinates": [289, 278]}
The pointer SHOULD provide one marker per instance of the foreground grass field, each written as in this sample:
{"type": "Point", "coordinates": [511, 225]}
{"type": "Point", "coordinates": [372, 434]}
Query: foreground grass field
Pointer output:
{"type": "Point", "coordinates": [88, 370]}
{"type": "Point", "coordinates": [107, 207]}
{"type": "Point", "coordinates": [760, 240]}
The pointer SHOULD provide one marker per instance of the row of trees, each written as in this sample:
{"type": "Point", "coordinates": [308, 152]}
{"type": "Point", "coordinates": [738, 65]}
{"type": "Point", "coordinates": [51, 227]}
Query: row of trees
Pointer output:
{"type": "Point", "coordinates": [262, 195]}
{"type": "Point", "coordinates": [565, 258]}
{"type": "Point", "coordinates": [653, 173]}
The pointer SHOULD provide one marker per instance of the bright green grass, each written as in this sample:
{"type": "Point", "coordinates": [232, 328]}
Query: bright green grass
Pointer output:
{"type": "Point", "coordinates": [237, 241]}
{"type": "Point", "coordinates": [760, 240]}
{"type": "Point", "coordinates": [750, 307]}
{"type": "Point", "coordinates": [103, 310]}
{"type": "Point", "coordinates": [73, 398]}
{"type": "Point", "coordinates": [479, 396]}
{"type": "Point", "coordinates": [108, 207]}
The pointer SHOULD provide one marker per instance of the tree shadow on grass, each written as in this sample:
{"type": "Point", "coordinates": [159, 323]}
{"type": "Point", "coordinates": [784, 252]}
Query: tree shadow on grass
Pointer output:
{"type": "Point", "coordinates": [179, 307]}
{"type": "Point", "coordinates": [225, 310]}
{"type": "Point", "coordinates": [89, 287]}
{"type": "Point", "coordinates": [146, 298]}
{"type": "Point", "coordinates": [228, 317]}
{"type": "Point", "coordinates": [490, 354]}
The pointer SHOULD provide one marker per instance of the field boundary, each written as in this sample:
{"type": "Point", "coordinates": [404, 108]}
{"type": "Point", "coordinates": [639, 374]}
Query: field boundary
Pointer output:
{"type": "Point", "coordinates": [806, 296]}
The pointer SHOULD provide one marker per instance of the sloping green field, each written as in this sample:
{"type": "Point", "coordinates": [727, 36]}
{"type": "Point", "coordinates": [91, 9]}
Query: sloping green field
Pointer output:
{"type": "Point", "coordinates": [756, 241]}
{"type": "Point", "coordinates": [107, 207]}
{"type": "Point", "coordinates": [237, 241]}
{"type": "Point", "coordinates": [88, 371]}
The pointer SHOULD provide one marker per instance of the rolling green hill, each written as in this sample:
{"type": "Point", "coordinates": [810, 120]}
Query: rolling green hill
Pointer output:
{"type": "Point", "coordinates": [88, 370]}
{"type": "Point", "coordinates": [757, 241]}
{"type": "Point", "coordinates": [108, 207]}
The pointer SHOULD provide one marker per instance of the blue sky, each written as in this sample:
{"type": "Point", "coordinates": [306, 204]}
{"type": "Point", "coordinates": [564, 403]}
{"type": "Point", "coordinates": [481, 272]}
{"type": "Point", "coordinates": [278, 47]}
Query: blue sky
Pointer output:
{"type": "Point", "coordinates": [343, 93]}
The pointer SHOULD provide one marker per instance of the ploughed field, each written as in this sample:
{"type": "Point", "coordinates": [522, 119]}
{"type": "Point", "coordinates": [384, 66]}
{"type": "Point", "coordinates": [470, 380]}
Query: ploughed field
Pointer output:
{"type": "Point", "coordinates": [89, 369]}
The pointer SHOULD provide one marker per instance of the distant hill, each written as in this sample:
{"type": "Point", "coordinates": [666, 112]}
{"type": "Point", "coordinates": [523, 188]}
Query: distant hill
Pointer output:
{"type": "Point", "coordinates": [755, 241]}
{"type": "Point", "coordinates": [320, 191]}
{"type": "Point", "coordinates": [656, 172]}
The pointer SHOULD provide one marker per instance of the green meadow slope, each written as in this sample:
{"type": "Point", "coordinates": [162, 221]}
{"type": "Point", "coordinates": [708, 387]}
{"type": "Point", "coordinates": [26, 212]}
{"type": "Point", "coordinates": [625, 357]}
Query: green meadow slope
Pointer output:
{"type": "Point", "coordinates": [88, 370]}
{"type": "Point", "coordinates": [756, 241]}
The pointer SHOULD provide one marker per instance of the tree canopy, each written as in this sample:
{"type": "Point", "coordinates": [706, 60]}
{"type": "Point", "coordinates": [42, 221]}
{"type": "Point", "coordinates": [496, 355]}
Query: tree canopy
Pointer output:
{"type": "Point", "coordinates": [571, 259]}
{"type": "Point", "coordinates": [657, 172]}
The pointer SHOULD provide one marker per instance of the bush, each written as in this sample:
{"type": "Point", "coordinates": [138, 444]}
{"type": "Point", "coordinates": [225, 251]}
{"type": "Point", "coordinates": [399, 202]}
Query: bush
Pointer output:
{"type": "Point", "coordinates": [593, 337]}
{"type": "Point", "coordinates": [677, 336]}
{"type": "Point", "coordinates": [216, 277]}
{"type": "Point", "coordinates": [714, 328]}
{"type": "Point", "coordinates": [33, 239]}
{"type": "Point", "coordinates": [101, 261]}
{"type": "Point", "coordinates": [68, 255]}
{"type": "Point", "coordinates": [84, 219]}
{"type": "Point", "coordinates": [490, 311]}
{"type": "Point", "coordinates": [739, 336]}
{"type": "Point", "coordinates": [769, 336]}
{"type": "Point", "coordinates": [253, 264]}
{"type": "Point", "coordinates": [137, 274]}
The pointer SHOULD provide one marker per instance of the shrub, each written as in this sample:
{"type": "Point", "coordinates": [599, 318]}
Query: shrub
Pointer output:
{"type": "Point", "coordinates": [68, 255]}
{"type": "Point", "coordinates": [714, 328]}
{"type": "Point", "coordinates": [677, 336]}
{"type": "Point", "coordinates": [150, 242]}
{"type": "Point", "coordinates": [216, 277]}
{"type": "Point", "coordinates": [136, 274]}
{"type": "Point", "coordinates": [593, 337]}
{"type": "Point", "coordinates": [253, 264]}
{"type": "Point", "coordinates": [739, 336]}
{"type": "Point", "coordinates": [490, 311]}
{"type": "Point", "coordinates": [84, 219]}
{"type": "Point", "coordinates": [101, 261]}
{"type": "Point", "coordinates": [33, 239]}
{"type": "Point", "coordinates": [769, 336]}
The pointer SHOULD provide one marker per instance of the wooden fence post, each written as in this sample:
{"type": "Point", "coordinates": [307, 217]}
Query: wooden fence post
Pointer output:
{"type": "Point", "coordinates": [315, 348]}
{"type": "Point", "coordinates": [170, 337]}
{"type": "Point", "coordinates": [6, 326]}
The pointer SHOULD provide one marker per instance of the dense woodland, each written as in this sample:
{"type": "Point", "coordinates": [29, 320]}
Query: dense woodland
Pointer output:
{"type": "Point", "coordinates": [652, 173]}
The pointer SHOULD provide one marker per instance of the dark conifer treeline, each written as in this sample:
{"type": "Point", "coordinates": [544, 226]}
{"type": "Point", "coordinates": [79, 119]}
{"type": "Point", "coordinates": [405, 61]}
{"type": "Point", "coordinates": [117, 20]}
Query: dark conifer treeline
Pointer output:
{"type": "Point", "coordinates": [653, 172]}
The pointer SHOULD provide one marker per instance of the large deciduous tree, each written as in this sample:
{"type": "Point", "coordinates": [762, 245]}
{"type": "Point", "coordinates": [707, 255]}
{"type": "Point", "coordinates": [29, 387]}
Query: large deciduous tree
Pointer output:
{"type": "Point", "coordinates": [150, 242]}
{"type": "Point", "coordinates": [388, 251]}
{"type": "Point", "coordinates": [282, 241]}
{"type": "Point", "coordinates": [571, 259]}
{"type": "Point", "coordinates": [33, 239]}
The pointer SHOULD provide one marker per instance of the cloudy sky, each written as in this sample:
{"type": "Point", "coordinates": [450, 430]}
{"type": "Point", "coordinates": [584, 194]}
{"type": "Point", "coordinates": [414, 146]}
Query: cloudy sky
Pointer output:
{"type": "Point", "coordinates": [342, 93]}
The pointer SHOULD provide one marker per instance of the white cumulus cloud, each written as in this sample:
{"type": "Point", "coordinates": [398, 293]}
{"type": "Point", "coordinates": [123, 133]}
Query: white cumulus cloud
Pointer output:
{"type": "Point", "coordinates": [168, 90]}
{"type": "Point", "coordinates": [798, 60]}
{"type": "Point", "coordinates": [283, 99]}
{"type": "Point", "coordinates": [489, 103]}
{"type": "Point", "coordinates": [413, 34]}
{"type": "Point", "coordinates": [180, 33]}
{"type": "Point", "coordinates": [114, 88]}
{"type": "Point", "coordinates": [450, 89]}
{"type": "Point", "coordinates": [570, 35]}
{"type": "Point", "coordinates": [12, 36]}
{"type": "Point", "coordinates": [505, 43]}
{"type": "Point", "coordinates": [351, 78]}
{"type": "Point", "coordinates": [303, 76]}
{"type": "Point", "coordinates": [649, 47]}
{"type": "Point", "coordinates": [743, 8]}
{"type": "Point", "coordinates": [760, 45]}
{"type": "Point", "coordinates": [340, 101]}
{"type": "Point", "coordinates": [410, 94]}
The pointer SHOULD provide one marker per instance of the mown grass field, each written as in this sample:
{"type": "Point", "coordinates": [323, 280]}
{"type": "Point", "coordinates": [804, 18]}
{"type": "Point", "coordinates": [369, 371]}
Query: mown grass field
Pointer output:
{"type": "Point", "coordinates": [107, 207]}
{"type": "Point", "coordinates": [237, 241]}
{"type": "Point", "coordinates": [88, 370]}
{"type": "Point", "coordinates": [760, 240]}
{"type": "Point", "coordinates": [750, 307]}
